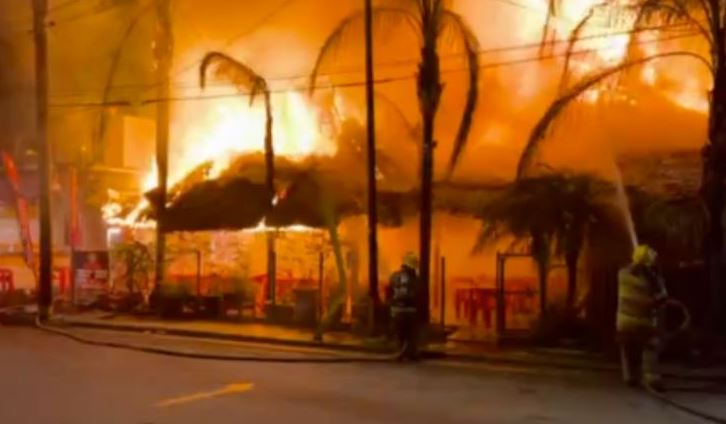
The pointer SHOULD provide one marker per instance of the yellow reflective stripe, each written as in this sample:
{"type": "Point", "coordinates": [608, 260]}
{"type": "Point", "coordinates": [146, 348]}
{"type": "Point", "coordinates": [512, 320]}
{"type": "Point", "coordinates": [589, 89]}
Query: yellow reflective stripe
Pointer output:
{"type": "Point", "coordinates": [635, 307]}
{"type": "Point", "coordinates": [635, 301]}
{"type": "Point", "coordinates": [626, 322]}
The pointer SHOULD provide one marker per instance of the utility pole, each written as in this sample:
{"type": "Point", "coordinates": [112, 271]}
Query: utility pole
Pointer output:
{"type": "Point", "coordinates": [371, 165]}
{"type": "Point", "coordinates": [163, 52]}
{"type": "Point", "coordinates": [45, 294]}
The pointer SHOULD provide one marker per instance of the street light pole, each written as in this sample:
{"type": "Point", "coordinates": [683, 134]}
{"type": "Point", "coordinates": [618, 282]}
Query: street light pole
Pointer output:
{"type": "Point", "coordinates": [163, 51]}
{"type": "Point", "coordinates": [45, 294]}
{"type": "Point", "coordinates": [371, 165]}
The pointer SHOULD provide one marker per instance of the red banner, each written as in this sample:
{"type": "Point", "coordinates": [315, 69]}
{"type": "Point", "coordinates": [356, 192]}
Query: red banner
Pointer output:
{"type": "Point", "coordinates": [21, 207]}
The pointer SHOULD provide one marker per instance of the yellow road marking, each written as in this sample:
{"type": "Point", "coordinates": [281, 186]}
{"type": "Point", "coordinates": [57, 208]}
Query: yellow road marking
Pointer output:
{"type": "Point", "coordinates": [230, 389]}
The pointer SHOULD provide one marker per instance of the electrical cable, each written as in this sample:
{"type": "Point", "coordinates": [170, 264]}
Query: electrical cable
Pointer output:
{"type": "Point", "coordinates": [351, 84]}
{"type": "Point", "coordinates": [409, 61]}
{"type": "Point", "coordinates": [502, 49]}
{"type": "Point", "coordinates": [95, 10]}
{"type": "Point", "coordinates": [230, 41]}
{"type": "Point", "coordinates": [63, 5]}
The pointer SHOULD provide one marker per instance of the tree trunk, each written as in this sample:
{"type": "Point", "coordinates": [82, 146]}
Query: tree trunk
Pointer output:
{"type": "Point", "coordinates": [163, 54]}
{"type": "Point", "coordinates": [714, 197]}
{"type": "Point", "coordinates": [541, 255]}
{"type": "Point", "coordinates": [270, 187]}
{"type": "Point", "coordinates": [429, 93]}
{"type": "Point", "coordinates": [371, 174]}
{"type": "Point", "coordinates": [542, 273]}
{"type": "Point", "coordinates": [269, 148]}
{"type": "Point", "coordinates": [337, 299]}
{"type": "Point", "coordinates": [571, 259]}
{"type": "Point", "coordinates": [45, 288]}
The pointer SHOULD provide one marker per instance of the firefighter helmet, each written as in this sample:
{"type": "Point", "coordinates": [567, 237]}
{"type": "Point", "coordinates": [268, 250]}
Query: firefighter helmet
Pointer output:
{"type": "Point", "coordinates": [644, 255]}
{"type": "Point", "coordinates": [410, 260]}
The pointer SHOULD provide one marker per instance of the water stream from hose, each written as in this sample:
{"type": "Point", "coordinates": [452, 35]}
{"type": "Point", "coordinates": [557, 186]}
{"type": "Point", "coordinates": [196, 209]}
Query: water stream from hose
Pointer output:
{"type": "Point", "coordinates": [621, 197]}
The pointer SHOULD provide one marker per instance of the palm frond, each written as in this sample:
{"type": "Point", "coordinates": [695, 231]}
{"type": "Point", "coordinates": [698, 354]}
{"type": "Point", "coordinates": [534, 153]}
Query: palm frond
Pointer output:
{"type": "Point", "coordinates": [489, 235]}
{"type": "Point", "coordinates": [381, 16]}
{"type": "Point", "coordinates": [553, 7]}
{"type": "Point", "coordinates": [555, 109]}
{"type": "Point", "coordinates": [414, 130]}
{"type": "Point", "coordinates": [454, 22]}
{"type": "Point", "coordinates": [102, 122]}
{"type": "Point", "coordinates": [239, 74]}
{"type": "Point", "coordinates": [667, 12]}
{"type": "Point", "coordinates": [572, 41]}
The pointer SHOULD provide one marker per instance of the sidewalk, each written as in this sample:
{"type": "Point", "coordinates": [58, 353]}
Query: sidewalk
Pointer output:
{"type": "Point", "coordinates": [238, 331]}
{"type": "Point", "coordinates": [275, 334]}
{"type": "Point", "coordinates": [345, 341]}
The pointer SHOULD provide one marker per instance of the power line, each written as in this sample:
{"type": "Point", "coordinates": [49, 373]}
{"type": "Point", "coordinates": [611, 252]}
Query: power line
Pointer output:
{"type": "Point", "coordinates": [286, 3]}
{"type": "Point", "coordinates": [396, 63]}
{"type": "Point", "coordinates": [379, 81]}
{"type": "Point", "coordinates": [230, 41]}
{"type": "Point", "coordinates": [192, 65]}
{"type": "Point", "coordinates": [63, 5]}
{"type": "Point", "coordinates": [96, 9]}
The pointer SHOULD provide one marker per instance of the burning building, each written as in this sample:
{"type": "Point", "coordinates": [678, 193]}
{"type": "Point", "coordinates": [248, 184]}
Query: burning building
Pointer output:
{"type": "Point", "coordinates": [218, 204]}
{"type": "Point", "coordinates": [218, 196]}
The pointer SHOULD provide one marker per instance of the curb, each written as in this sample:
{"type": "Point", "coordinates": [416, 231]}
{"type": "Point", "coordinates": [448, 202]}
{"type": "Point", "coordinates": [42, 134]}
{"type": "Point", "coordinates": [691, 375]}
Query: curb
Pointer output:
{"type": "Point", "coordinates": [428, 354]}
{"type": "Point", "coordinates": [199, 334]}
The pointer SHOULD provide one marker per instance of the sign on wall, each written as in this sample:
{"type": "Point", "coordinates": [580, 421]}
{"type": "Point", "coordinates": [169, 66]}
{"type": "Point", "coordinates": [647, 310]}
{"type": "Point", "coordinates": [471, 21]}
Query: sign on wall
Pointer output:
{"type": "Point", "coordinates": [90, 271]}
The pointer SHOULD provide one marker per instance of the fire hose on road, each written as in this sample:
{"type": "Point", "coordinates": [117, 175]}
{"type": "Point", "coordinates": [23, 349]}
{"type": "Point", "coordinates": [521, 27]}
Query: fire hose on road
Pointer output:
{"type": "Point", "coordinates": [209, 356]}
{"type": "Point", "coordinates": [668, 337]}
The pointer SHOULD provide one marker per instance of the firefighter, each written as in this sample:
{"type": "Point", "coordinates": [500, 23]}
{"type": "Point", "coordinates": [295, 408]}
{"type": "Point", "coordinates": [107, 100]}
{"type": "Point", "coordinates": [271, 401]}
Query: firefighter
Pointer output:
{"type": "Point", "coordinates": [404, 290]}
{"type": "Point", "coordinates": [641, 291]}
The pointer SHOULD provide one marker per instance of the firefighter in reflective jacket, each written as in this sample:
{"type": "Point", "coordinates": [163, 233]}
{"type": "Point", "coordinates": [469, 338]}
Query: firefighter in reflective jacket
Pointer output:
{"type": "Point", "coordinates": [641, 291]}
{"type": "Point", "coordinates": [404, 291]}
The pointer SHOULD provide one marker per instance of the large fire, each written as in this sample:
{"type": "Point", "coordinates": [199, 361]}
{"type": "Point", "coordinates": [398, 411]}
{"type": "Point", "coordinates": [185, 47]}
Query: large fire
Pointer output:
{"type": "Point", "coordinates": [606, 40]}
{"type": "Point", "coordinates": [228, 127]}
{"type": "Point", "coordinates": [215, 131]}
{"type": "Point", "coordinates": [691, 90]}
{"type": "Point", "coordinates": [218, 131]}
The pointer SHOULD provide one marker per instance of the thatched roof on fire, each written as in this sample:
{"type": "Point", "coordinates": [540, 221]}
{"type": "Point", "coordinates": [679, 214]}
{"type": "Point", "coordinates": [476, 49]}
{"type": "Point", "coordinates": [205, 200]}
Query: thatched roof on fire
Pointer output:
{"type": "Point", "coordinates": [237, 199]}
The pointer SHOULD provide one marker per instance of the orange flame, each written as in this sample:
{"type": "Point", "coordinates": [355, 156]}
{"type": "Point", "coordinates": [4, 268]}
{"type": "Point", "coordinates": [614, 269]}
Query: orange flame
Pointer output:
{"type": "Point", "coordinates": [219, 131]}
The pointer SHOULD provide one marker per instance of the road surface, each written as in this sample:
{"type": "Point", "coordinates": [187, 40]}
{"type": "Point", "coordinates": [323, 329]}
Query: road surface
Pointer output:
{"type": "Point", "coordinates": [50, 379]}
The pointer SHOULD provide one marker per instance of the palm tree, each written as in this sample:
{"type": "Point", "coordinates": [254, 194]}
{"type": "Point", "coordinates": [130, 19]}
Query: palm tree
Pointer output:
{"type": "Point", "coordinates": [704, 18]}
{"type": "Point", "coordinates": [434, 22]}
{"type": "Point", "coordinates": [250, 82]}
{"type": "Point", "coordinates": [582, 202]}
{"type": "Point", "coordinates": [510, 215]}
{"type": "Point", "coordinates": [554, 213]}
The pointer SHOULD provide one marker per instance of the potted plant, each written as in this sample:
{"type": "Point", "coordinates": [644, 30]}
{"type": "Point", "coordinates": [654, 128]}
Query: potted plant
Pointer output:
{"type": "Point", "coordinates": [136, 264]}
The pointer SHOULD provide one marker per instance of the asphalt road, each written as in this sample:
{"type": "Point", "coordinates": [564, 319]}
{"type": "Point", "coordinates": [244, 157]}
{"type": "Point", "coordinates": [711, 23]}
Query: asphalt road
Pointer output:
{"type": "Point", "coordinates": [49, 379]}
